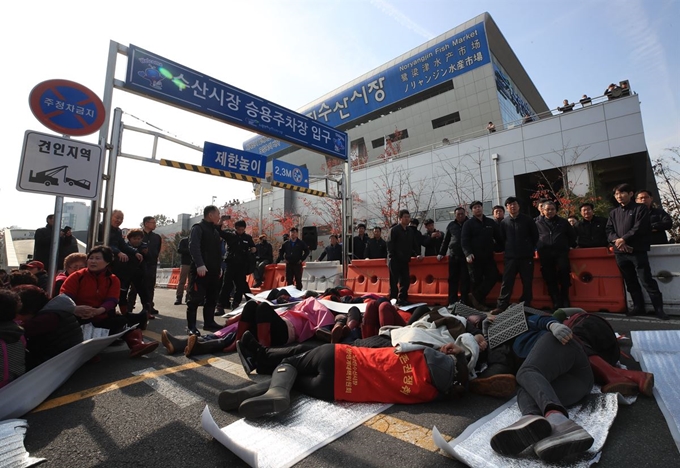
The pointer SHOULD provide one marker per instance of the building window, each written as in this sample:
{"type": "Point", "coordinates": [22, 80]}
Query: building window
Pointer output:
{"type": "Point", "coordinates": [446, 120]}
{"type": "Point", "coordinates": [380, 142]}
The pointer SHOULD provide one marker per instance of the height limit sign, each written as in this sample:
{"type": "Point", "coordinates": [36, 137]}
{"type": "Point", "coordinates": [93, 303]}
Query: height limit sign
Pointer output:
{"type": "Point", "coordinates": [59, 166]}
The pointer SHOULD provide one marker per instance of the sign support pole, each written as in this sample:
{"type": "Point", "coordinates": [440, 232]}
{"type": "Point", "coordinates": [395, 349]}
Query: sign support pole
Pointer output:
{"type": "Point", "coordinates": [347, 218]}
{"type": "Point", "coordinates": [92, 232]}
{"type": "Point", "coordinates": [111, 172]}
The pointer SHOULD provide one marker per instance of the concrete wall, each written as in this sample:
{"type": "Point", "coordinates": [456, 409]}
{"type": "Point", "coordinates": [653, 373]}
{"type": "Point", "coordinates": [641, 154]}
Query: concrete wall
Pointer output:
{"type": "Point", "coordinates": [462, 172]}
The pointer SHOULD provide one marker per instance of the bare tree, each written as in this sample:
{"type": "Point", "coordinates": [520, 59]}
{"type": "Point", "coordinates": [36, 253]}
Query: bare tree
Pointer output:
{"type": "Point", "coordinates": [465, 177]}
{"type": "Point", "coordinates": [395, 191]}
{"type": "Point", "coordinates": [668, 180]}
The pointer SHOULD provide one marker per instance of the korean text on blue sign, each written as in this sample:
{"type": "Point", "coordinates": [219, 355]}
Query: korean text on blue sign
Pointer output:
{"type": "Point", "coordinates": [233, 160]}
{"type": "Point", "coordinates": [440, 63]}
{"type": "Point", "coordinates": [166, 81]}
{"type": "Point", "coordinates": [290, 174]}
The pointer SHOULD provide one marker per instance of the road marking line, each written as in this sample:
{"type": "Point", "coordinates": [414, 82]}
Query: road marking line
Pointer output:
{"type": "Point", "coordinates": [170, 389]}
{"type": "Point", "coordinates": [91, 392]}
{"type": "Point", "coordinates": [405, 431]}
{"type": "Point", "coordinates": [389, 425]}
{"type": "Point", "coordinates": [153, 335]}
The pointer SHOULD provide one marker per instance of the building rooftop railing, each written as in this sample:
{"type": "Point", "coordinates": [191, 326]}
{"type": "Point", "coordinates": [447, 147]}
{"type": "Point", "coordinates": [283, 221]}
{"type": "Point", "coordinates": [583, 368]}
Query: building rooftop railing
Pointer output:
{"type": "Point", "coordinates": [582, 104]}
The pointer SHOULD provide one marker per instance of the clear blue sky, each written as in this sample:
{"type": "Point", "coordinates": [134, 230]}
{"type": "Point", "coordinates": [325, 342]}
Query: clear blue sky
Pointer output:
{"type": "Point", "coordinates": [294, 51]}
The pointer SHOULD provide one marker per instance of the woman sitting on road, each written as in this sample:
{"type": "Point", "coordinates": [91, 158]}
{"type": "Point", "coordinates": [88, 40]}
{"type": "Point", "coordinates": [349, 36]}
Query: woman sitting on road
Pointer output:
{"type": "Point", "coordinates": [95, 290]}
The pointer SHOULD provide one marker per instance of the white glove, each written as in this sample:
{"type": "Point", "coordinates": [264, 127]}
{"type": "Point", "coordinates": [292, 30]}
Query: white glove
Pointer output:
{"type": "Point", "coordinates": [202, 270]}
{"type": "Point", "coordinates": [560, 331]}
{"type": "Point", "coordinates": [470, 258]}
{"type": "Point", "coordinates": [439, 258]}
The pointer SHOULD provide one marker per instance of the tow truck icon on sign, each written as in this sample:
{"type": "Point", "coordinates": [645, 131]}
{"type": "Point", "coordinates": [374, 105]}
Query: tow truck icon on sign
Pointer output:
{"type": "Point", "coordinates": [48, 178]}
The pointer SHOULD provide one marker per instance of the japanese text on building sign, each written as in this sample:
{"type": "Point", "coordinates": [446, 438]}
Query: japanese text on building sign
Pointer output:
{"type": "Point", "coordinates": [170, 82]}
{"type": "Point", "coordinates": [442, 62]}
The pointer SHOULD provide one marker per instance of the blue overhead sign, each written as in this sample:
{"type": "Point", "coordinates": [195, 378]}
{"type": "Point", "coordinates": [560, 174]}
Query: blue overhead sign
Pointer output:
{"type": "Point", "coordinates": [290, 174]}
{"type": "Point", "coordinates": [440, 63]}
{"type": "Point", "coordinates": [158, 78]}
{"type": "Point", "coordinates": [233, 160]}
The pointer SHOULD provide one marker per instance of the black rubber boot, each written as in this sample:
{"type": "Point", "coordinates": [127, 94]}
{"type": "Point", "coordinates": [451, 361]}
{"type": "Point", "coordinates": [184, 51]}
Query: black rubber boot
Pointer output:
{"type": "Point", "coordinates": [173, 344]}
{"type": "Point", "coordinates": [231, 399]}
{"type": "Point", "coordinates": [276, 399]}
{"type": "Point", "coordinates": [199, 346]}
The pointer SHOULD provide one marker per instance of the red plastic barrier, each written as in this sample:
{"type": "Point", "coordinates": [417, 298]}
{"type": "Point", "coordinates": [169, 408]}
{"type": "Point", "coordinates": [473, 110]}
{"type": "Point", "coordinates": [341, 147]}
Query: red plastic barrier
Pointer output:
{"type": "Point", "coordinates": [174, 278]}
{"type": "Point", "coordinates": [429, 281]}
{"type": "Point", "coordinates": [597, 284]}
{"type": "Point", "coordinates": [368, 276]}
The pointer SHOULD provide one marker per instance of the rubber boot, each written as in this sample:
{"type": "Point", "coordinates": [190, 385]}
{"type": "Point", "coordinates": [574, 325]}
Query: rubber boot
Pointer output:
{"type": "Point", "coordinates": [339, 333]}
{"type": "Point", "coordinates": [196, 346]}
{"type": "Point", "coordinates": [644, 380]}
{"type": "Point", "coordinates": [135, 342]}
{"type": "Point", "coordinates": [173, 344]}
{"type": "Point", "coordinates": [611, 381]}
{"type": "Point", "coordinates": [264, 334]}
{"type": "Point", "coordinates": [231, 399]}
{"type": "Point", "coordinates": [276, 399]}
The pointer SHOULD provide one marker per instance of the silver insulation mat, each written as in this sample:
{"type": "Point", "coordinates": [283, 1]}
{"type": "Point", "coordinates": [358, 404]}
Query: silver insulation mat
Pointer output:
{"type": "Point", "coordinates": [658, 352]}
{"type": "Point", "coordinates": [596, 414]}
{"type": "Point", "coordinates": [507, 325]}
{"type": "Point", "coordinates": [282, 440]}
{"type": "Point", "coordinates": [32, 388]}
{"type": "Point", "coordinates": [465, 310]}
{"type": "Point", "coordinates": [13, 454]}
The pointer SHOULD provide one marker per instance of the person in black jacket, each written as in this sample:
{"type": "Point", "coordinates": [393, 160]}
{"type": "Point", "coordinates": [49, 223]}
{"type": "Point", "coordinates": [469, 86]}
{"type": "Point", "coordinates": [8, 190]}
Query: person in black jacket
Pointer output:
{"type": "Point", "coordinates": [628, 228]}
{"type": "Point", "coordinates": [264, 255]}
{"type": "Point", "coordinates": [204, 274]}
{"type": "Point", "coordinates": [555, 238]}
{"type": "Point", "coordinates": [458, 270]}
{"type": "Point", "coordinates": [590, 231]}
{"type": "Point", "coordinates": [121, 250]}
{"type": "Point", "coordinates": [432, 240]}
{"type": "Point", "coordinates": [376, 247]}
{"type": "Point", "coordinates": [150, 264]}
{"type": "Point", "coordinates": [185, 266]}
{"type": "Point", "coordinates": [359, 243]}
{"type": "Point", "coordinates": [479, 238]}
{"type": "Point", "coordinates": [67, 245]}
{"type": "Point", "coordinates": [239, 248]}
{"type": "Point", "coordinates": [401, 246]}
{"type": "Point", "coordinates": [42, 243]}
{"type": "Point", "coordinates": [294, 251]}
{"type": "Point", "coordinates": [659, 219]}
{"type": "Point", "coordinates": [520, 236]}
{"type": "Point", "coordinates": [333, 251]}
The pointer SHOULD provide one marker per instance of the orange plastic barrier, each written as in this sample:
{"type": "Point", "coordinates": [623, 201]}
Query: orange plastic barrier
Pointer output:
{"type": "Point", "coordinates": [174, 278]}
{"type": "Point", "coordinates": [368, 276]}
{"type": "Point", "coordinates": [597, 284]}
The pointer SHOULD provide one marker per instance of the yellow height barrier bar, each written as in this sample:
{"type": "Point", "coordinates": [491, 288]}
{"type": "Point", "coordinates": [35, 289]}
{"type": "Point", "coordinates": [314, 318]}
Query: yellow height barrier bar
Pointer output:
{"type": "Point", "coordinates": [299, 189]}
{"type": "Point", "coordinates": [209, 171]}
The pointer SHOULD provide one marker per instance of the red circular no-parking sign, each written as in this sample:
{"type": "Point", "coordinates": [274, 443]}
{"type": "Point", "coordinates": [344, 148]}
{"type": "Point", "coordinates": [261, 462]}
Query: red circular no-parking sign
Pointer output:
{"type": "Point", "coordinates": [67, 107]}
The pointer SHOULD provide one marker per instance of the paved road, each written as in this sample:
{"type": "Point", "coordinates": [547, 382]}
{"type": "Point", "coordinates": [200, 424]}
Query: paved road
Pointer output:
{"type": "Point", "coordinates": [146, 412]}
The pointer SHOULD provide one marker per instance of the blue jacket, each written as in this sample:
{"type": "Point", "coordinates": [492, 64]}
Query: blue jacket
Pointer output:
{"type": "Point", "coordinates": [538, 325]}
